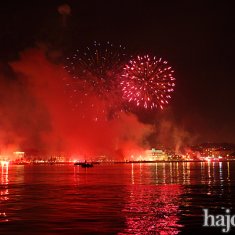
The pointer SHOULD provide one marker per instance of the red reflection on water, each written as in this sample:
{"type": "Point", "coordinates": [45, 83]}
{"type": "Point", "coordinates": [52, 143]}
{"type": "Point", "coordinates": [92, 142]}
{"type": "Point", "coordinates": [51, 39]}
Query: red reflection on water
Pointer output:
{"type": "Point", "coordinates": [153, 209]}
{"type": "Point", "coordinates": [4, 191]}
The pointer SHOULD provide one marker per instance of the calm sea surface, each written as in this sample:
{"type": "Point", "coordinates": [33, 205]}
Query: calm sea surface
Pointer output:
{"type": "Point", "coordinates": [150, 198]}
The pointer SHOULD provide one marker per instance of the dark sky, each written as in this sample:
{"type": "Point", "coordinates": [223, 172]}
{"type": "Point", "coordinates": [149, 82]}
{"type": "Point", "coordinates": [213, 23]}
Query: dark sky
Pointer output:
{"type": "Point", "coordinates": [196, 37]}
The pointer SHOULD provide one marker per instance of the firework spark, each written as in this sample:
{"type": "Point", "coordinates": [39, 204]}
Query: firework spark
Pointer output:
{"type": "Point", "coordinates": [94, 72]}
{"type": "Point", "coordinates": [99, 65]}
{"type": "Point", "coordinates": [147, 82]}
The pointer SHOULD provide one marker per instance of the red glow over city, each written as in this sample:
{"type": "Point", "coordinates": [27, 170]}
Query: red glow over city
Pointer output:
{"type": "Point", "coordinates": [83, 132]}
{"type": "Point", "coordinates": [117, 117]}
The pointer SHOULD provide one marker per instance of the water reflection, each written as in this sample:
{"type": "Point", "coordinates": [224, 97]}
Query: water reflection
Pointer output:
{"type": "Point", "coordinates": [162, 198]}
{"type": "Point", "coordinates": [160, 192]}
{"type": "Point", "coordinates": [152, 206]}
{"type": "Point", "coordinates": [153, 210]}
{"type": "Point", "coordinates": [3, 191]}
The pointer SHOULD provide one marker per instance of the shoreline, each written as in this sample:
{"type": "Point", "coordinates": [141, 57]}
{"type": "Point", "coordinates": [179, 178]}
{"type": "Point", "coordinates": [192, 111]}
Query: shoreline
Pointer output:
{"type": "Point", "coordinates": [121, 162]}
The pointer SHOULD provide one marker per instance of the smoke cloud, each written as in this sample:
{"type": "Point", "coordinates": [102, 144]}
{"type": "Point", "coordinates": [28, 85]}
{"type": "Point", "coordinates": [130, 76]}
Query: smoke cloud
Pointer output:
{"type": "Point", "coordinates": [38, 112]}
{"type": "Point", "coordinates": [175, 133]}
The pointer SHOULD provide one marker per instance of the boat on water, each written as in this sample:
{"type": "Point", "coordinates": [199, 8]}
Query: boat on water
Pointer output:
{"type": "Point", "coordinates": [83, 164]}
{"type": "Point", "coordinates": [86, 165]}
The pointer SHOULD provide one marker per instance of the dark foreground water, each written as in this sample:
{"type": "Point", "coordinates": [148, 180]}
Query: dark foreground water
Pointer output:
{"type": "Point", "coordinates": [159, 198]}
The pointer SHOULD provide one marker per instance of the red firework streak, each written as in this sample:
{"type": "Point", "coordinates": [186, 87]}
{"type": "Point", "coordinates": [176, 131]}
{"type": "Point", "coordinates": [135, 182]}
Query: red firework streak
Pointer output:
{"type": "Point", "coordinates": [147, 82]}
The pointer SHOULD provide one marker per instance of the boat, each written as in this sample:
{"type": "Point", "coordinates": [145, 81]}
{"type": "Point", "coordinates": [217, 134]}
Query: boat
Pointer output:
{"type": "Point", "coordinates": [83, 164]}
{"type": "Point", "coordinates": [86, 165]}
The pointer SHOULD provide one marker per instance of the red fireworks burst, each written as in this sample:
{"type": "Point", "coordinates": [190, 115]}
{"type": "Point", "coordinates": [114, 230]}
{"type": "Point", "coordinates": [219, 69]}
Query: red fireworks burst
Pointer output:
{"type": "Point", "coordinates": [93, 80]}
{"type": "Point", "coordinates": [98, 65]}
{"type": "Point", "coordinates": [147, 82]}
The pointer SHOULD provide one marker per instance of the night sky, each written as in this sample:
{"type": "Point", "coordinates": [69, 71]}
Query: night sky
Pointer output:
{"type": "Point", "coordinates": [195, 37]}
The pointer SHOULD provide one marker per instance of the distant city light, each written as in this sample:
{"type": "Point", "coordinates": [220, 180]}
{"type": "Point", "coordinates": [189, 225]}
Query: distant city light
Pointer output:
{"type": "Point", "coordinates": [4, 163]}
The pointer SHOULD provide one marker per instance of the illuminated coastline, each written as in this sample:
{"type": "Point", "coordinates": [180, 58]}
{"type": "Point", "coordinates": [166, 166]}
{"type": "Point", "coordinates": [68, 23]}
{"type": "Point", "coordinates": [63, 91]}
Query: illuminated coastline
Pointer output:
{"type": "Point", "coordinates": [212, 152]}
